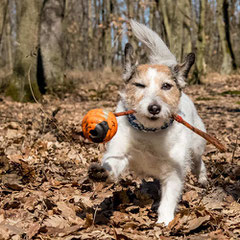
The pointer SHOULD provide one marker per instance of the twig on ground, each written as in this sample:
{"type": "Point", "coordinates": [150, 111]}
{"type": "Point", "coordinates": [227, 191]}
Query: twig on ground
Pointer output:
{"type": "Point", "coordinates": [234, 150]}
{"type": "Point", "coordinates": [94, 216]}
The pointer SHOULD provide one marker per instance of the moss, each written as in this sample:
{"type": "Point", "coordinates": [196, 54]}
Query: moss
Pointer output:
{"type": "Point", "coordinates": [19, 90]}
{"type": "Point", "coordinates": [238, 102]}
{"type": "Point", "coordinates": [205, 99]}
{"type": "Point", "coordinates": [234, 92]}
{"type": "Point", "coordinates": [19, 70]}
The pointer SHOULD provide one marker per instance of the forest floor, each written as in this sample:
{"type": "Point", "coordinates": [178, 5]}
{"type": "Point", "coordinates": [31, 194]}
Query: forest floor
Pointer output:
{"type": "Point", "coordinates": [45, 192]}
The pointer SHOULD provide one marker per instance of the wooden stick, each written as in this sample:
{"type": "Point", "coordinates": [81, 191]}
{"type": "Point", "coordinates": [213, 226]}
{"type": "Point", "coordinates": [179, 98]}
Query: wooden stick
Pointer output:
{"type": "Point", "coordinates": [179, 119]}
{"type": "Point", "coordinates": [124, 113]}
{"type": "Point", "coordinates": [206, 136]}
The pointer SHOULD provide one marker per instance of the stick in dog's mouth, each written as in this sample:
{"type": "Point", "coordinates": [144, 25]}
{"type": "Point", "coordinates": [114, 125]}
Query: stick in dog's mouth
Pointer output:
{"type": "Point", "coordinates": [179, 119]}
{"type": "Point", "coordinates": [204, 135]}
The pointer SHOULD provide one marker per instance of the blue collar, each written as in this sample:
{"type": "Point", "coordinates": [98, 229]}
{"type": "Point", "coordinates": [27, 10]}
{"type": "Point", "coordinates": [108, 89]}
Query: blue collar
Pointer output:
{"type": "Point", "coordinates": [137, 125]}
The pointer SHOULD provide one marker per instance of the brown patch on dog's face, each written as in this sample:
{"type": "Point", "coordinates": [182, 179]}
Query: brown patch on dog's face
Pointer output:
{"type": "Point", "coordinates": [160, 68]}
{"type": "Point", "coordinates": [153, 84]}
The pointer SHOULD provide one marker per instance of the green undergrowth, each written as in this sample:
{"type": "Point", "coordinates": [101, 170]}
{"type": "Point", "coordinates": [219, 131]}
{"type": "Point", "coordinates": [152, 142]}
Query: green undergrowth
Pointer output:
{"type": "Point", "coordinates": [205, 99]}
{"type": "Point", "coordinates": [19, 90]}
{"type": "Point", "coordinates": [230, 92]}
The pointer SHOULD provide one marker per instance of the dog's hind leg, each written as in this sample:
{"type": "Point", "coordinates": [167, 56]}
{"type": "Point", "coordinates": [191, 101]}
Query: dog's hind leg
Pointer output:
{"type": "Point", "coordinates": [199, 169]}
{"type": "Point", "coordinates": [198, 147]}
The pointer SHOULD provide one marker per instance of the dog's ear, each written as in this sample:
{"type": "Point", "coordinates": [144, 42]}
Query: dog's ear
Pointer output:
{"type": "Point", "coordinates": [128, 64]}
{"type": "Point", "coordinates": [182, 70]}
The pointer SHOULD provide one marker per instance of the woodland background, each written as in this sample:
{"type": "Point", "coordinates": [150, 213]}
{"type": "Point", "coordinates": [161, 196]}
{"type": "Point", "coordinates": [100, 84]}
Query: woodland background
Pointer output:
{"type": "Point", "coordinates": [71, 52]}
{"type": "Point", "coordinates": [60, 38]}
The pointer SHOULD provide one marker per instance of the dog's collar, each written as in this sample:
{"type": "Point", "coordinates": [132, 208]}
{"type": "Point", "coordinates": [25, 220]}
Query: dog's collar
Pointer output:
{"type": "Point", "coordinates": [137, 125]}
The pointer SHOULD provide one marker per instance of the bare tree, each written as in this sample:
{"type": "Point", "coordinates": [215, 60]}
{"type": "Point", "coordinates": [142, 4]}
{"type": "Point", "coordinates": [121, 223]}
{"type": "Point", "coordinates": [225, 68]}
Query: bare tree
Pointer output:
{"type": "Point", "coordinates": [25, 62]}
{"type": "Point", "coordinates": [228, 63]}
{"type": "Point", "coordinates": [163, 6]}
{"type": "Point", "coordinates": [107, 53]}
{"type": "Point", "coordinates": [174, 14]}
{"type": "Point", "coordinates": [90, 34]}
{"type": "Point", "coordinates": [200, 66]}
{"type": "Point", "coordinates": [51, 42]}
{"type": "Point", "coordinates": [5, 43]}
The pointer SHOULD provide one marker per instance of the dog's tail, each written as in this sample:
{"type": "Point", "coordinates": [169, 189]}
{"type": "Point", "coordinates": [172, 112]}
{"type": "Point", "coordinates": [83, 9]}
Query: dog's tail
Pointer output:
{"type": "Point", "coordinates": [159, 52]}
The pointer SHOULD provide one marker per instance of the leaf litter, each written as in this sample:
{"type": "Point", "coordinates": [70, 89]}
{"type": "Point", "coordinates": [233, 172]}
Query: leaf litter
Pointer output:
{"type": "Point", "coordinates": [46, 193]}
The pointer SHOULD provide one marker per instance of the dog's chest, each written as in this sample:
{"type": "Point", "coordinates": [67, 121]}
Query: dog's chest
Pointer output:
{"type": "Point", "coordinates": [150, 157]}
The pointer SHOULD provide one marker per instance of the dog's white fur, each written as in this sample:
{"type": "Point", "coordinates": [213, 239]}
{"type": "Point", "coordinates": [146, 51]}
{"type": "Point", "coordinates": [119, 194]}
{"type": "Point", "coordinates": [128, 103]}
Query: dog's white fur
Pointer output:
{"type": "Point", "coordinates": [165, 154]}
{"type": "Point", "coordinates": [158, 51]}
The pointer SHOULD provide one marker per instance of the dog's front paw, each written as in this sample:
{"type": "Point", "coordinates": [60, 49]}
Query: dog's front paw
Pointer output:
{"type": "Point", "coordinates": [165, 219]}
{"type": "Point", "coordinates": [97, 173]}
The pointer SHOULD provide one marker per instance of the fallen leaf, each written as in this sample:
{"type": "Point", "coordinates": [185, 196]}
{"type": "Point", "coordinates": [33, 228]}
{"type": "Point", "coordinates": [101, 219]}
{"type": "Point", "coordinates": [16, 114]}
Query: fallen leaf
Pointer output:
{"type": "Point", "coordinates": [195, 223]}
{"type": "Point", "coordinates": [190, 196]}
{"type": "Point", "coordinates": [70, 230]}
{"type": "Point", "coordinates": [67, 212]}
{"type": "Point", "coordinates": [12, 181]}
{"type": "Point", "coordinates": [33, 230]}
{"type": "Point", "coordinates": [119, 236]}
{"type": "Point", "coordinates": [56, 221]}
{"type": "Point", "coordinates": [89, 220]}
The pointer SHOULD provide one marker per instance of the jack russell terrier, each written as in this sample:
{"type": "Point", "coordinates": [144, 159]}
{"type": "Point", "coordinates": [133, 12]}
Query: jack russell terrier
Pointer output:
{"type": "Point", "coordinates": [149, 142]}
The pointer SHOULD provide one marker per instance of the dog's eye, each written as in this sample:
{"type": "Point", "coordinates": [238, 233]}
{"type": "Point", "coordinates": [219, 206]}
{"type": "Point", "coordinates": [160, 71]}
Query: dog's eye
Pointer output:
{"type": "Point", "coordinates": [166, 86]}
{"type": "Point", "coordinates": [139, 85]}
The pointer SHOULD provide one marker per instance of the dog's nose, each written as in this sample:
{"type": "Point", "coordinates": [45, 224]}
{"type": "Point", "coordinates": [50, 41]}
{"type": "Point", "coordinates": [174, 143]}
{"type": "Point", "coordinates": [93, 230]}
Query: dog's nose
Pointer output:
{"type": "Point", "coordinates": [154, 109]}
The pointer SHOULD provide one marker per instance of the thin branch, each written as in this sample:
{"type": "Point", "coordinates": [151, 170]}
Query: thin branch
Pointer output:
{"type": "Point", "coordinates": [234, 150]}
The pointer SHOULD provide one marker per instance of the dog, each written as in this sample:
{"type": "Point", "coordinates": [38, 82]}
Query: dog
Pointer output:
{"type": "Point", "coordinates": [149, 142]}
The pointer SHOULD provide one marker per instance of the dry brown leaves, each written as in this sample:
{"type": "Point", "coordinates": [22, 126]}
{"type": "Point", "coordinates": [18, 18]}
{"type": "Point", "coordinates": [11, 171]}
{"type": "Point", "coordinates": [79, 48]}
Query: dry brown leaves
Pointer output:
{"type": "Point", "coordinates": [46, 193]}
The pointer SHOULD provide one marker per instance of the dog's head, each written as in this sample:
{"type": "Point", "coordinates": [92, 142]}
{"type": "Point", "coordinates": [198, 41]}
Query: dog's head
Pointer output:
{"type": "Point", "coordinates": [153, 91]}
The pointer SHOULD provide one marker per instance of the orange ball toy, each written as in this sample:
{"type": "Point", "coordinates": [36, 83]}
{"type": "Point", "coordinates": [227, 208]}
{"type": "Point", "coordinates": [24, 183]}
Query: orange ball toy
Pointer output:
{"type": "Point", "coordinates": [99, 125]}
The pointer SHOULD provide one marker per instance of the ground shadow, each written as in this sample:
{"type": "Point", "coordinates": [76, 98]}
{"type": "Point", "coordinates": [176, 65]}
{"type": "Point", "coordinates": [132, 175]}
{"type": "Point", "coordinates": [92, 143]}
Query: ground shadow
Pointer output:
{"type": "Point", "coordinates": [148, 193]}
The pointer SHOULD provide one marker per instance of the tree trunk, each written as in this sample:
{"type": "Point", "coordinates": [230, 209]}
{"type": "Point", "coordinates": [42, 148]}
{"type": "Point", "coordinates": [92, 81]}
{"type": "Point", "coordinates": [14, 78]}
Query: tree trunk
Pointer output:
{"type": "Point", "coordinates": [101, 39]}
{"type": "Point", "coordinates": [3, 14]}
{"type": "Point", "coordinates": [227, 33]}
{"type": "Point", "coordinates": [9, 47]}
{"type": "Point", "coordinates": [96, 34]}
{"type": "Point", "coordinates": [188, 32]}
{"type": "Point", "coordinates": [5, 58]}
{"type": "Point", "coordinates": [178, 29]}
{"type": "Point", "coordinates": [107, 34]}
{"type": "Point", "coordinates": [51, 43]}
{"type": "Point", "coordinates": [163, 6]}
{"type": "Point", "coordinates": [90, 35]}
{"type": "Point", "coordinates": [3, 35]}
{"type": "Point", "coordinates": [184, 42]}
{"type": "Point", "coordinates": [228, 63]}
{"type": "Point", "coordinates": [130, 13]}
{"type": "Point", "coordinates": [25, 62]}
{"type": "Point", "coordinates": [152, 9]}
{"type": "Point", "coordinates": [201, 40]}
{"type": "Point", "coordinates": [200, 69]}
